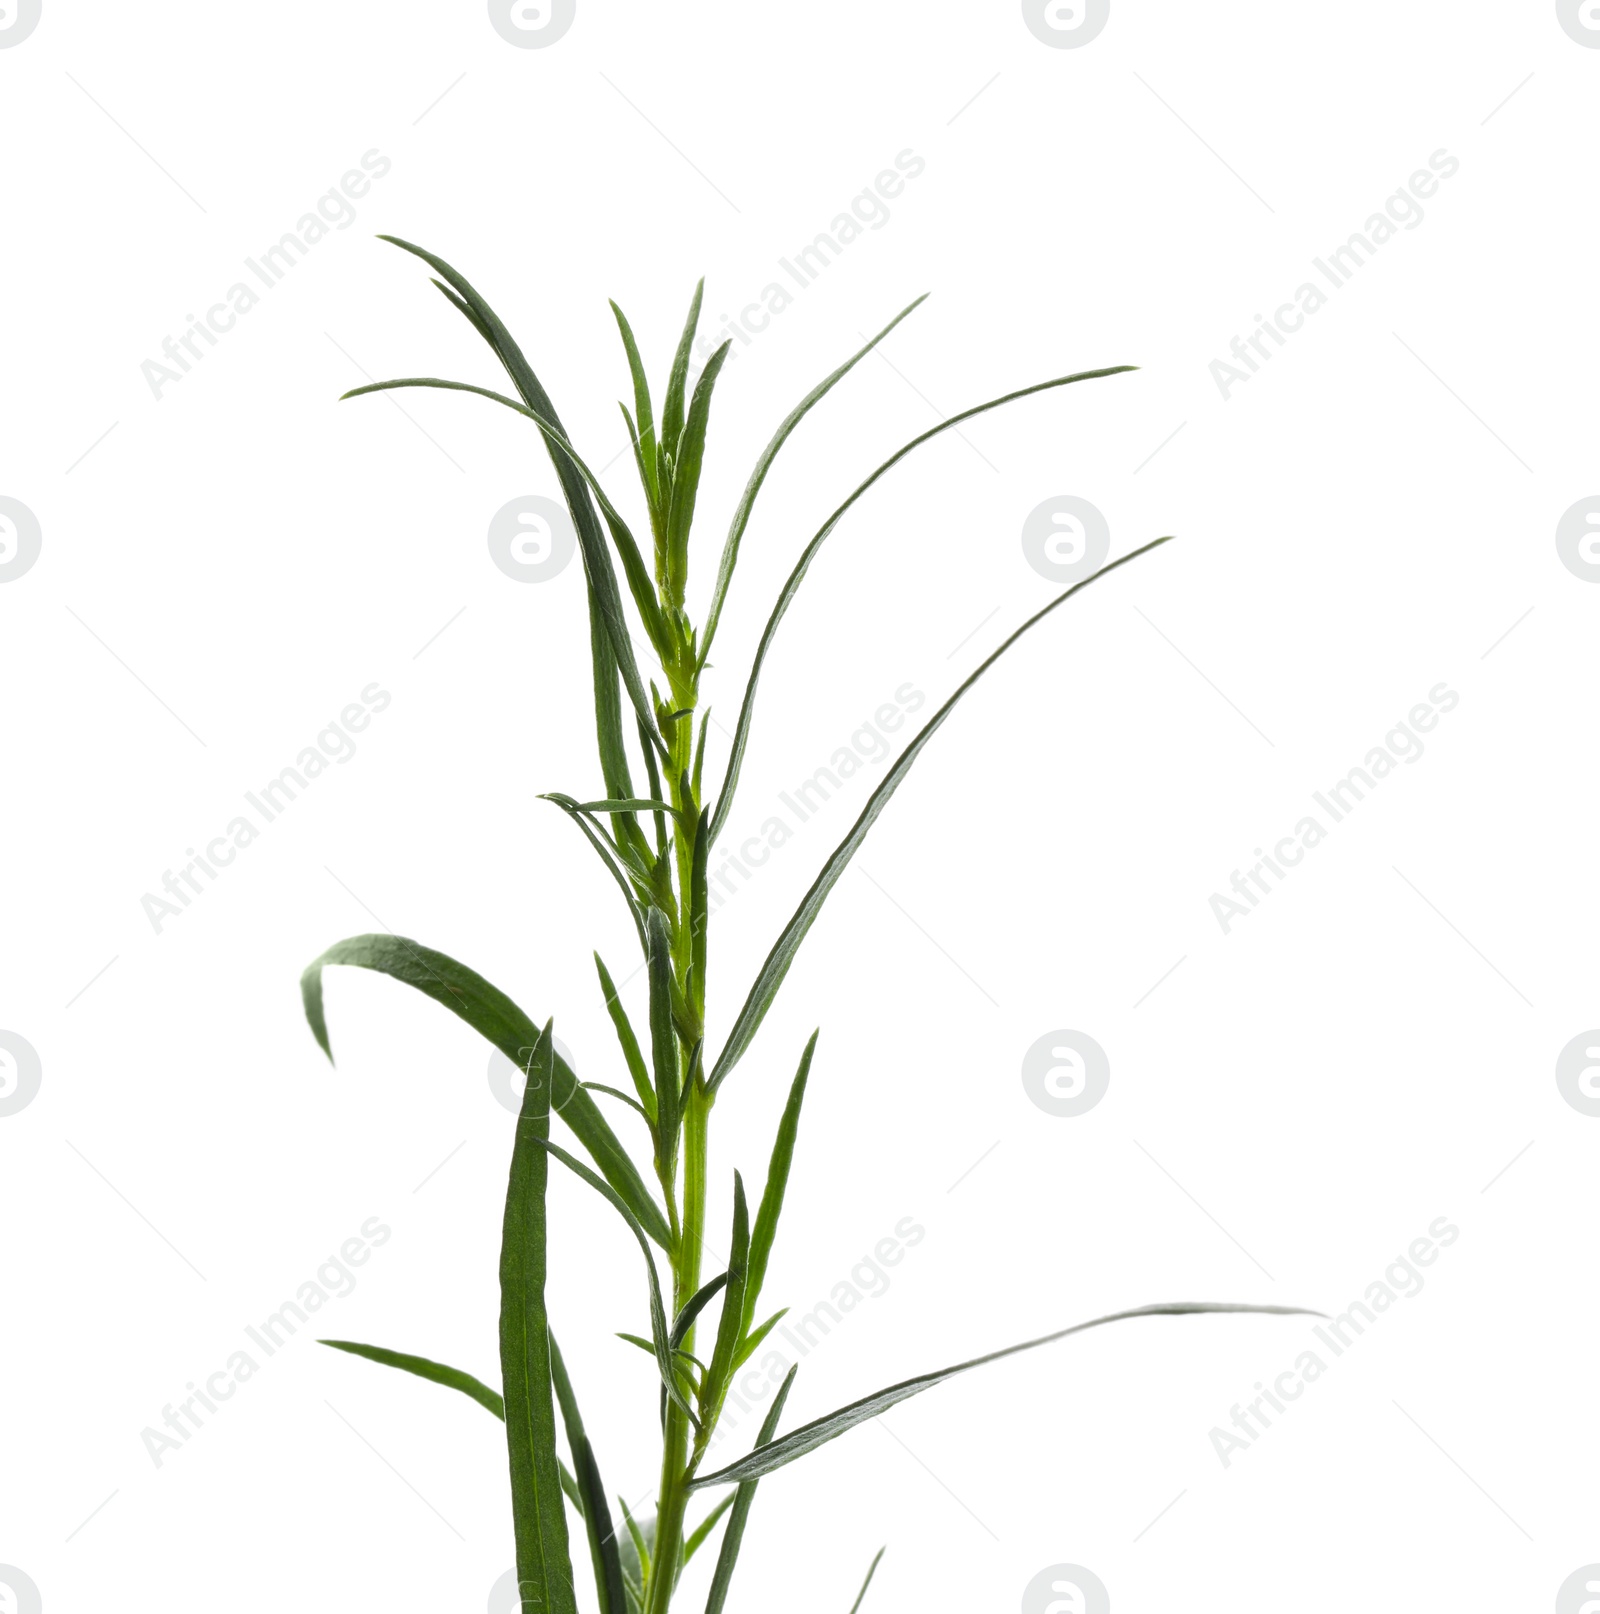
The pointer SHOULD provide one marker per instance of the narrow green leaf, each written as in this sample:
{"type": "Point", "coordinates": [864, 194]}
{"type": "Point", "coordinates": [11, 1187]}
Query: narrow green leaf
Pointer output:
{"type": "Point", "coordinates": [497, 1019]}
{"type": "Point", "coordinates": [694, 1305]}
{"type": "Point", "coordinates": [741, 515]}
{"type": "Point", "coordinates": [596, 1513]}
{"type": "Point", "coordinates": [633, 804]}
{"type": "Point", "coordinates": [688, 458]}
{"type": "Point", "coordinates": [436, 1372]}
{"type": "Point", "coordinates": [753, 1340]}
{"type": "Point", "coordinates": [544, 1568]}
{"type": "Point", "coordinates": [466, 308]}
{"type": "Point", "coordinates": [730, 1327]}
{"type": "Point", "coordinates": [791, 587]}
{"type": "Point", "coordinates": [626, 1098]}
{"type": "Point", "coordinates": [570, 1486]}
{"type": "Point", "coordinates": [821, 1430]}
{"type": "Point", "coordinates": [766, 1228]}
{"type": "Point", "coordinates": [606, 851]}
{"type": "Point", "coordinates": [645, 436]}
{"type": "Point", "coordinates": [738, 1517]}
{"type": "Point", "coordinates": [629, 1042]}
{"type": "Point", "coordinates": [596, 559]}
{"type": "Point", "coordinates": [663, 1044]}
{"type": "Point", "coordinates": [872, 1569]}
{"type": "Point", "coordinates": [658, 1315]}
{"type": "Point", "coordinates": [707, 1525]}
{"type": "Point", "coordinates": [608, 706]}
{"type": "Point", "coordinates": [639, 1540]}
{"type": "Point", "coordinates": [621, 534]}
{"type": "Point", "coordinates": [765, 987]}
{"type": "Point", "coordinates": [677, 384]}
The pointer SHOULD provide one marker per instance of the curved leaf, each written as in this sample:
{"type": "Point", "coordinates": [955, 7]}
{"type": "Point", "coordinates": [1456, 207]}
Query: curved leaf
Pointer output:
{"type": "Point", "coordinates": [741, 733]}
{"type": "Point", "coordinates": [596, 560]}
{"type": "Point", "coordinates": [436, 1372]}
{"type": "Point", "coordinates": [770, 978]}
{"type": "Point", "coordinates": [495, 1017]}
{"type": "Point", "coordinates": [741, 515]}
{"type": "Point", "coordinates": [821, 1430]}
{"type": "Point", "coordinates": [766, 1228]}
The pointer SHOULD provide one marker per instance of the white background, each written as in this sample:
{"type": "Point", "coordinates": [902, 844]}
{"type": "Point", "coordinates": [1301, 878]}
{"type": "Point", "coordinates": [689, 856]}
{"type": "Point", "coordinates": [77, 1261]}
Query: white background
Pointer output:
{"type": "Point", "coordinates": [1372, 514]}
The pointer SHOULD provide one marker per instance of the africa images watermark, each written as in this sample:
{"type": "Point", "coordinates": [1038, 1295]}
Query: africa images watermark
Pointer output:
{"type": "Point", "coordinates": [333, 1280]}
{"type": "Point", "coordinates": [334, 210]}
{"type": "Point", "coordinates": [1403, 743]}
{"type": "Point", "coordinates": [336, 743]}
{"type": "Point", "coordinates": [1402, 210]}
{"type": "Point", "coordinates": [1401, 1280]}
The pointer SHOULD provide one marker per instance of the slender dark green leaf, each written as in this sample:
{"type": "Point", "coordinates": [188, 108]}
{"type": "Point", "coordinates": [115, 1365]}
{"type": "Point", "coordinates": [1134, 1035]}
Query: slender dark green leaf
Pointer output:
{"type": "Point", "coordinates": [766, 1228]}
{"type": "Point", "coordinates": [663, 1042]}
{"type": "Point", "coordinates": [466, 309]}
{"type": "Point", "coordinates": [570, 1486]}
{"type": "Point", "coordinates": [636, 1549]}
{"type": "Point", "coordinates": [658, 1314]}
{"type": "Point", "coordinates": [753, 1340]}
{"type": "Point", "coordinates": [622, 535]}
{"type": "Point", "coordinates": [626, 1098]}
{"type": "Point", "coordinates": [688, 457]}
{"type": "Point", "coordinates": [791, 587]}
{"type": "Point", "coordinates": [629, 1042]}
{"type": "Point", "coordinates": [596, 1513]}
{"type": "Point", "coordinates": [730, 1328]}
{"type": "Point", "coordinates": [765, 987]}
{"type": "Point", "coordinates": [596, 559]}
{"type": "Point", "coordinates": [436, 1372]}
{"type": "Point", "coordinates": [634, 804]}
{"type": "Point", "coordinates": [872, 1569]}
{"type": "Point", "coordinates": [645, 436]}
{"type": "Point", "coordinates": [544, 1567]}
{"type": "Point", "coordinates": [495, 1017]}
{"type": "Point", "coordinates": [692, 1308]}
{"type": "Point", "coordinates": [678, 382]}
{"type": "Point", "coordinates": [606, 851]}
{"type": "Point", "coordinates": [741, 515]}
{"type": "Point", "coordinates": [738, 1517]}
{"type": "Point", "coordinates": [694, 1305]}
{"type": "Point", "coordinates": [707, 1525]}
{"type": "Point", "coordinates": [608, 702]}
{"type": "Point", "coordinates": [821, 1430]}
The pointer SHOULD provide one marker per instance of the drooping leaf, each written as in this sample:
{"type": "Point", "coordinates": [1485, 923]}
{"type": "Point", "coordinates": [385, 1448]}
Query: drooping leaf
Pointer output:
{"type": "Point", "coordinates": [692, 1307]}
{"type": "Point", "coordinates": [658, 1315]}
{"type": "Point", "coordinates": [496, 1018]}
{"type": "Point", "coordinates": [544, 1566]}
{"type": "Point", "coordinates": [821, 1430]}
{"type": "Point", "coordinates": [596, 1513]}
{"type": "Point", "coordinates": [770, 977]}
{"type": "Point", "coordinates": [791, 587]}
{"type": "Point", "coordinates": [739, 1515]}
{"type": "Point", "coordinates": [872, 1569]}
{"type": "Point", "coordinates": [596, 559]}
{"type": "Point", "coordinates": [741, 515]}
{"type": "Point", "coordinates": [606, 851]}
{"type": "Point", "coordinates": [436, 1372]}
{"type": "Point", "coordinates": [621, 534]}
{"type": "Point", "coordinates": [766, 1228]}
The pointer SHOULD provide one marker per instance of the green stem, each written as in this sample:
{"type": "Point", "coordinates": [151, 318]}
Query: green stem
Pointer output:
{"type": "Point", "coordinates": [676, 1464]}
